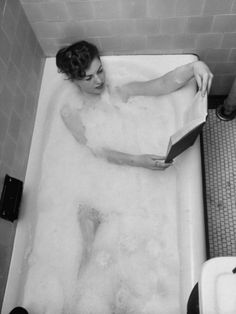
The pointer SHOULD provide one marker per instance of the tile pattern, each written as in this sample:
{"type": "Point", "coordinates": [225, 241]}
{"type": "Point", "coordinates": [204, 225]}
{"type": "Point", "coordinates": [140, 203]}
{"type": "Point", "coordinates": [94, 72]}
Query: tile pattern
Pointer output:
{"type": "Point", "coordinates": [21, 65]}
{"type": "Point", "coordinates": [203, 27]}
{"type": "Point", "coordinates": [219, 147]}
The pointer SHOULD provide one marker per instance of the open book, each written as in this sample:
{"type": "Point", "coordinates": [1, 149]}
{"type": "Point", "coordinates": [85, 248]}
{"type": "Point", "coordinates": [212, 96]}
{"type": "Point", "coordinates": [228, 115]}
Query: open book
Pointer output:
{"type": "Point", "coordinates": [194, 119]}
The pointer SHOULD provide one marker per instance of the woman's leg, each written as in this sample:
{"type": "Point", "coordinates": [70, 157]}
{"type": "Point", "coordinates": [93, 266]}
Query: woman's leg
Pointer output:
{"type": "Point", "coordinates": [89, 220]}
{"type": "Point", "coordinates": [97, 277]}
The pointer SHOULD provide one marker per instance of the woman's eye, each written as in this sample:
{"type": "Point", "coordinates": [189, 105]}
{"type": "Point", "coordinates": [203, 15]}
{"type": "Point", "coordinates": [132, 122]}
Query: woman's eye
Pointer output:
{"type": "Point", "coordinates": [100, 70]}
{"type": "Point", "coordinates": [88, 78]}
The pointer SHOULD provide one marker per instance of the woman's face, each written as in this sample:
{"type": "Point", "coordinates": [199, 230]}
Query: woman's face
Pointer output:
{"type": "Point", "coordinates": [94, 81]}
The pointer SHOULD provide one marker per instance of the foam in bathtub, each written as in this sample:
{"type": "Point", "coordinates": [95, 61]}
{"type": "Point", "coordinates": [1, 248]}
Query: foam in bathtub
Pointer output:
{"type": "Point", "coordinates": [130, 267]}
{"type": "Point", "coordinates": [186, 136]}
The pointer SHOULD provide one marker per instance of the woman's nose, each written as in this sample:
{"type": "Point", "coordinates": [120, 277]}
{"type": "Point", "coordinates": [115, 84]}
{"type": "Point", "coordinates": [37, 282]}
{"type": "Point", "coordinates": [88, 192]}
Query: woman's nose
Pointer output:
{"type": "Point", "coordinates": [97, 79]}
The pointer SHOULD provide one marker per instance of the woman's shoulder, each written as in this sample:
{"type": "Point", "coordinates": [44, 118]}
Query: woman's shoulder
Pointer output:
{"type": "Point", "coordinates": [72, 101]}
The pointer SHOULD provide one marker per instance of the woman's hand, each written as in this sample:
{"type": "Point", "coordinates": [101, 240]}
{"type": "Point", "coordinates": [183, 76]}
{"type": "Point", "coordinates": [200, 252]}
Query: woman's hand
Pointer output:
{"type": "Point", "coordinates": [203, 76]}
{"type": "Point", "coordinates": [152, 162]}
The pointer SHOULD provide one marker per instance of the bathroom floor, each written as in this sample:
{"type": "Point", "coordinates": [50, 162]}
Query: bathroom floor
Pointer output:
{"type": "Point", "coordinates": [219, 159]}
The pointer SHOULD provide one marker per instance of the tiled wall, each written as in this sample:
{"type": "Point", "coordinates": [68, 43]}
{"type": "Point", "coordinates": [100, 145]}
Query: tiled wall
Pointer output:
{"type": "Point", "coordinates": [21, 64]}
{"type": "Point", "coordinates": [205, 27]}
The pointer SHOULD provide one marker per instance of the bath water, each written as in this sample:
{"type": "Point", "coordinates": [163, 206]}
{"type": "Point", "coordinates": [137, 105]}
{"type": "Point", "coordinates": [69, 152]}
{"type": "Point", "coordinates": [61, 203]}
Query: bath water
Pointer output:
{"type": "Point", "coordinates": [131, 263]}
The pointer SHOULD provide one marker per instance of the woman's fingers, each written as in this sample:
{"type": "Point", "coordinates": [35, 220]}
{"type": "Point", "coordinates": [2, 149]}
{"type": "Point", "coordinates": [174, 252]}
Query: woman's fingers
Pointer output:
{"type": "Point", "coordinates": [209, 83]}
{"type": "Point", "coordinates": [203, 77]}
{"type": "Point", "coordinates": [199, 81]}
{"type": "Point", "coordinates": [157, 162]}
{"type": "Point", "coordinates": [162, 165]}
{"type": "Point", "coordinates": [204, 84]}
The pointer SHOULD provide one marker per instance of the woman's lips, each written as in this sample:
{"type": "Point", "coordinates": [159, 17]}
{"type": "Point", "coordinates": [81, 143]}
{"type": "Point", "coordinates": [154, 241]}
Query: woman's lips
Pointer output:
{"type": "Point", "coordinates": [100, 86]}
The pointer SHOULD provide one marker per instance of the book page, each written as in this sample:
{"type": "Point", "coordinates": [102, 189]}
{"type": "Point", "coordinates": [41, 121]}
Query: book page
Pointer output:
{"type": "Point", "coordinates": [197, 110]}
{"type": "Point", "coordinates": [194, 120]}
{"type": "Point", "coordinates": [185, 130]}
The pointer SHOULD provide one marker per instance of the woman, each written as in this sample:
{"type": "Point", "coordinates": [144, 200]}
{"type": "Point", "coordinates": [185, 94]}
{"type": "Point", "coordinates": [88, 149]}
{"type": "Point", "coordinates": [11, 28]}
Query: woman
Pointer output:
{"type": "Point", "coordinates": [114, 275]}
{"type": "Point", "coordinates": [82, 65]}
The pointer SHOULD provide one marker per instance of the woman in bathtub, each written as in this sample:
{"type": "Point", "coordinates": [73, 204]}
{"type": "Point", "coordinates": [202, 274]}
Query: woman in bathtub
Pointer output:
{"type": "Point", "coordinates": [81, 64]}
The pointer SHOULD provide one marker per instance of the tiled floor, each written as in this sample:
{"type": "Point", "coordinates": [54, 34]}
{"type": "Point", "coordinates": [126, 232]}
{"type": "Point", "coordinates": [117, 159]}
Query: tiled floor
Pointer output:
{"type": "Point", "coordinates": [219, 151]}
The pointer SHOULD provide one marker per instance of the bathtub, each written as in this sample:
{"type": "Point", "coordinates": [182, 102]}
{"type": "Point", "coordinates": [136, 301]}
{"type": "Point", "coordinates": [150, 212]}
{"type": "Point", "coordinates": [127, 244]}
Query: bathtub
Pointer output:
{"type": "Point", "coordinates": [188, 174]}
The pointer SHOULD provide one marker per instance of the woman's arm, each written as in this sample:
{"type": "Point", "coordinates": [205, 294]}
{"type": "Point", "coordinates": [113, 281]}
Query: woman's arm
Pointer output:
{"type": "Point", "coordinates": [148, 161]}
{"type": "Point", "coordinates": [171, 81]}
{"type": "Point", "coordinates": [74, 124]}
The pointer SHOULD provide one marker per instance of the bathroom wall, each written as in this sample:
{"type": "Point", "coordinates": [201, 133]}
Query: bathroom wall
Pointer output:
{"type": "Point", "coordinates": [21, 64]}
{"type": "Point", "coordinates": [205, 27]}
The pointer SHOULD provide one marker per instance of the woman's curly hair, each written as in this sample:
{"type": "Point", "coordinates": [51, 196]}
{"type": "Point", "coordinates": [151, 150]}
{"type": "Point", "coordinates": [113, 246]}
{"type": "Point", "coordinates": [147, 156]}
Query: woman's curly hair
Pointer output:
{"type": "Point", "coordinates": [76, 59]}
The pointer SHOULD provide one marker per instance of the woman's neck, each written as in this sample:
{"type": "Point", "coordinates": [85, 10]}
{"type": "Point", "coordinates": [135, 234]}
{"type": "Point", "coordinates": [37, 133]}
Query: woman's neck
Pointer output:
{"type": "Point", "coordinates": [90, 100]}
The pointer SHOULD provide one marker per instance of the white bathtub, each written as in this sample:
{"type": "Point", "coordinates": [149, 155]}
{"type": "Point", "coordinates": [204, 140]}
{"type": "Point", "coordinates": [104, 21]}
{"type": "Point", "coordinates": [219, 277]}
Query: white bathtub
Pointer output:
{"type": "Point", "coordinates": [189, 198]}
